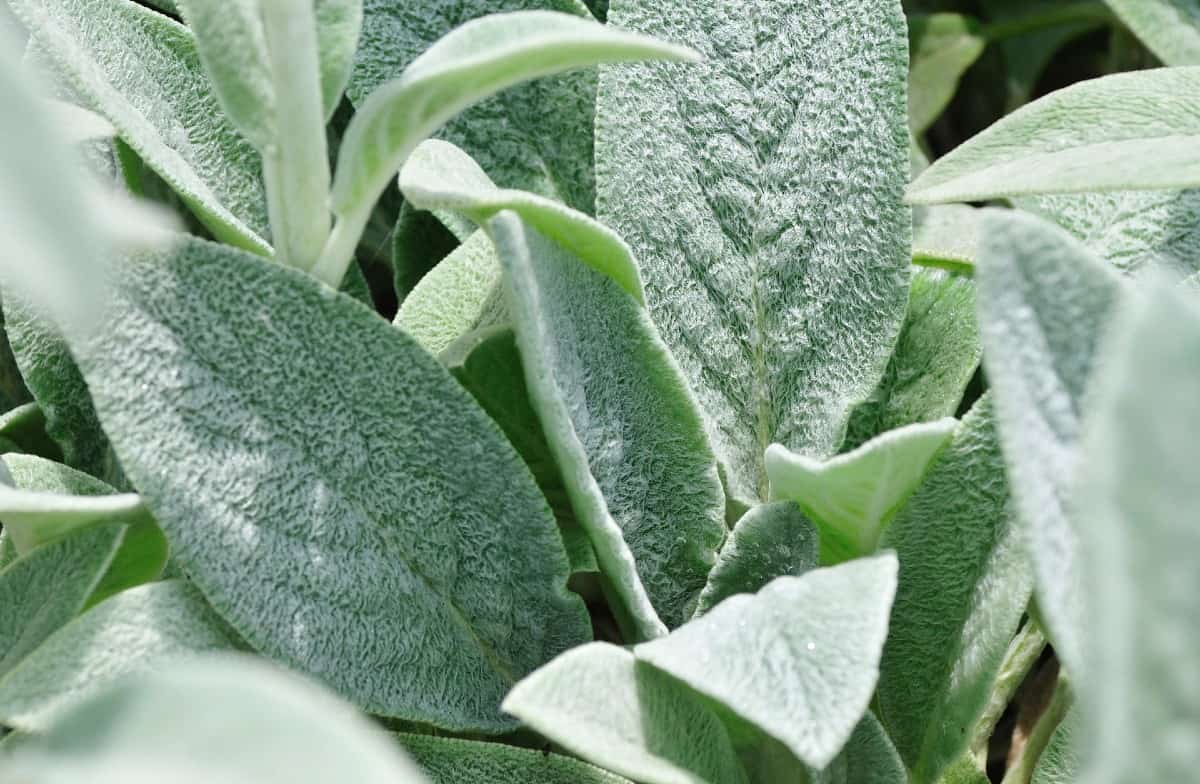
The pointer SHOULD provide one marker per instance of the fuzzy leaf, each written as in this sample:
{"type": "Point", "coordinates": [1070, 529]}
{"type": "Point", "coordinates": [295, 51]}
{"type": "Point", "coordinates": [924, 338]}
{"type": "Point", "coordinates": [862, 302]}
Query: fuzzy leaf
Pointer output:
{"type": "Point", "coordinates": [599, 702]}
{"type": "Point", "coordinates": [1140, 701]}
{"type": "Point", "coordinates": [946, 236]}
{"type": "Point", "coordinates": [760, 191]}
{"type": "Point", "coordinates": [798, 660]}
{"type": "Point", "coordinates": [1127, 131]}
{"type": "Point", "coordinates": [964, 586]}
{"type": "Point", "coordinates": [24, 428]}
{"type": "Point", "coordinates": [1170, 28]}
{"type": "Point", "coordinates": [619, 417]}
{"type": "Point", "coordinates": [769, 541]}
{"type": "Point", "coordinates": [341, 501]}
{"type": "Point", "coordinates": [943, 47]}
{"type": "Point", "coordinates": [1060, 762]}
{"type": "Point", "coordinates": [853, 497]}
{"type": "Point", "coordinates": [139, 629]}
{"type": "Point", "coordinates": [453, 761]}
{"type": "Point", "coordinates": [1044, 304]}
{"type": "Point", "coordinates": [257, 724]}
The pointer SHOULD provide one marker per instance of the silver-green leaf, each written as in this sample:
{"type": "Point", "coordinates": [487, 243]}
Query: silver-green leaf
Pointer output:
{"type": "Point", "coordinates": [943, 47]}
{"type": "Point", "coordinates": [454, 761]}
{"type": "Point", "coordinates": [1170, 28]}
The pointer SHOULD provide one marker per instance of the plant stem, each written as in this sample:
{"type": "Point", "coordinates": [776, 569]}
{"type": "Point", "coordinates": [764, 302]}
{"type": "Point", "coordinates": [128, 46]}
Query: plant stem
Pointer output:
{"type": "Point", "coordinates": [1043, 731]}
{"type": "Point", "coordinates": [296, 165]}
{"type": "Point", "coordinates": [1069, 13]}
{"type": "Point", "coordinates": [339, 250]}
{"type": "Point", "coordinates": [1023, 653]}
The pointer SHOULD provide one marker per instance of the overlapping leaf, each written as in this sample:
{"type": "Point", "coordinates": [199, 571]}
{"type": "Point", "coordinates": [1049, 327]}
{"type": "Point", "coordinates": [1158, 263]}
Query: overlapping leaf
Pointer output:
{"type": "Point", "coordinates": [1170, 28]}
{"type": "Point", "coordinates": [452, 761]}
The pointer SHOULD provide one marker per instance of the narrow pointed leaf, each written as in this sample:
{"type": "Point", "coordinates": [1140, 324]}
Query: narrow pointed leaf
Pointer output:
{"type": "Point", "coordinates": [137, 630]}
{"type": "Point", "coordinates": [1044, 305]}
{"type": "Point", "coordinates": [620, 419]}
{"type": "Point", "coordinates": [453, 761]}
{"type": "Point", "coordinates": [964, 586]}
{"type": "Point", "coordinates": [769, 541]}
{"type": "Point", "coordinates": [799, 660]}
{"type": "Point", "coordinates": [1128, 131]}
{"type": "Point", "coordinates": [287, 527]}
{"type": "Point", "coordinates": [853, 497]}
{"type": "Point", "coordinates": [1140, 702]}
{"type": "Point", "coordinates": [599, 702]}
{"type": "Point", "coordinates": [760, 191]}
{"type": "Point", "coordinates": [1170, 28]}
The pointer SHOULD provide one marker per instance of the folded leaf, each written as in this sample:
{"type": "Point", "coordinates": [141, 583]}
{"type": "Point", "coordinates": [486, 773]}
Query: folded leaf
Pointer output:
{"type": "Point", "coordinates": [140, 629]}
{"type": "Point", "coordinates": [760, 192]}
{"type": "Point", "coordinates": [799, 660]}
{"type": "Point", "coordinates": [964, 586]}
{"type": "Point", "coordinates": [618, 415]}
{"type": "Point", "coordinates": [1044, 305]}
{"type": "Point", "coordinates": [1060, 762]}
{"type": "Point", "coordinates": [24, 427]}
{"type": "Point", "coordinates": [257, 724]}
{"type": "Point", "coordinates": [943, 47]}
{"type": "Point", "coordinates": [769, 541]}
{"type": "Point", "coordinates": [1139, 701]}
{"type": "Point", "coordinates": [599, 702]}
{"type": "Point", "coordinates": [853, 497]}
{"type": "Point", "coordinates": [340, 499]}
{"type": "Point", "coordinates": [139, 70]}
{"type": "Point", "coordinates": [1170, 28]}
{"type": "Point", "coordinates": [1127, 131]}
{"type": "Point", "coordinates": [870, 757]}
{"type": "Point", "coordinates": [453, 761]}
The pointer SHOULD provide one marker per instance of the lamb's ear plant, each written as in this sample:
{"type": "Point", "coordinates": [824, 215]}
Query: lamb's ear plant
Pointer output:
{"type": "Point", "coordinates": [676, 447]}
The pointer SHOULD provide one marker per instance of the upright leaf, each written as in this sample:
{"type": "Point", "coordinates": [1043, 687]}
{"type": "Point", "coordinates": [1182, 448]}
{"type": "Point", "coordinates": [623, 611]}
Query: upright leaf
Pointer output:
{"type": "Point", "coordinates": [943, 47]}
{"type": "Point", "coordinates": [1140, 702]}
{"type": "Point", "coordinates": [338, 497]}
{"type": "Point", "coordinates": [1060, 762]}
{"type": "Point", "coordinates": [1044, 304]}
{"type": "Point", "coordinates": [599, 702]}
{"type": "Point", "coordinates": [964, 586]}
{"type": "Point", "coordinates": [1127, 131]}
{"type": "Point", "coordinates": [1170, 28]}
{"type": "Point", "coordinates": [798, 660]}
{"type": "Point", "coordinates": [453, 761]}
{"type": "Point", "coordinates": [760, 190]}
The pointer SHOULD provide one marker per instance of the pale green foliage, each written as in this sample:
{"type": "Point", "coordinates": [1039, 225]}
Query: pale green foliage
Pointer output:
{"type": "Point", "coordinates": [1060, 763]}
{"type": "Point", "coordinates": [946, 236]}
{"type": "Point", "coordinates": [943, 47]}
{"type": "Point", "coordinates": [451, 761]}
{"type": "Point", "coordinates": [1171, 28]}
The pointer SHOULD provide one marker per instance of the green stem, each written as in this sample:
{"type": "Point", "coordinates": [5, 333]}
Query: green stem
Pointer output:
{"type": "Point", "coordinates": [1060, 702]}
{"type": "Point", "coordinates": [963, 268]}
{"type": "Point", "coordinates": [339, 249]}
{"type": "Point", "coordinates": [1068, 13]}
{"type": "Point", "coordinates": [1023, 653]}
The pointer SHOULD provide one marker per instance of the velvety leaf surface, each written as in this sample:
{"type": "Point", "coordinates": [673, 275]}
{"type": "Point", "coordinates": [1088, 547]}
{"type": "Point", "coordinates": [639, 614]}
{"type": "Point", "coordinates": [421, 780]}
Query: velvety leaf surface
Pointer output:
{"type": "Point", "coordinates": [769, 541]}
{"type": "Point", "coordinates": [452, 761]}
{"type": "Point", "coordinates": [419, 242]}
{"type": "Point", "coordinates": [1126, 131]}
{"type": "Point", "coordinates": [964, 586]}
{"type": "Point", "coordinates": [760, 190]}
{"type": "Point", "coordinates": [1060, 762]}
{"type": "Point", "coordinates": [340, 500]}
{"type": "Point", "coordinates": [535, 137]}
{"type": "Point", "coordinates": [1140, 698]}
{"type": "Point", "coordinates": [933, 361]}
{"type": "Point", "coordinates": [227, 719]}
{"type": "Point", "coordinates": [798, 660]}
{"type": "Point", "coordinates": [620, 419]}
{"type": "Point", "coordinates": [599, 702]}
{"type": "Point", "coordinates": [140, 70]}
{"type": "Point", "coordinates": [946, 236]}
{"type": "Point", "coordinates": [943, 47]}
{"type": "Point", "coordinates": [870, 757]}
{"type": "Point", "coordinates": [1044, 305]}
{"type": "Point", "coordinates": [1169, 28]}
{"type": "Point", "coordinates": [853, 497]}
{"type": "Point", "coordinates": [139, 629]}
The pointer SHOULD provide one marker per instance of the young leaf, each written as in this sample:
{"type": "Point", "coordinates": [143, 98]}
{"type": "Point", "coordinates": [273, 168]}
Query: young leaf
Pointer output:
{"type": "Point", "coordinates": [964, 586]}
{"type": "Point", "coordinates": [139, 629]}
{"type": "Point", "coordinates": [619, 417]}
{"type": "Point", "coordinates": [438, 175]}
{"type": "Point", "coordinates": [478, 59]}
{"type": "Point", "coordinates": [870, 757]}
{"type": "Point", "coordinates": [943, 47]}
{"type": "Point", "coordinates": [453, 761]}
{"type": "Point", "coordinates": [1140, 703]}
{"type": "Point", "coordinates": [599, 702]}
{"type": "Point", "coordinates": [1170, 28]}
{"type": "Point", "coordinates": [1127, 131]}
{"type": "Point", "coordinates": [231, 719]}
{"type": "Point", "coordinates": [341, 501]}
{"type": "Point", "coordinates": [798, 660]}
{"type": "Point", "coordinates": [853, 497]}
{"type": "Point", "coordinates": [139, 70]}
{"type": "Point", "coordinates": [1044, 305]}
{"type": "Point", "coordinates": [760, 191]}
{"type": "Point", "coordinates": [771, 540]}
{"type": "Point", "coordinates": [1060, 762]}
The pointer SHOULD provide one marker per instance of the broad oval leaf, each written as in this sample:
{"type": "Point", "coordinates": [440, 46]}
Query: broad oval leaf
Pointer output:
{"type": "Point", "coordinates": [140, 629]}
{"type": "Point", "coordinates": [338, 497]}
{"type": "Point", "coordinates": [258, 725]}
{"type": "Point", "coordinates": [599, 702]}
{"type": "Point", "coordinates": [798, 660]}
{"type": "Point", "coordinates": [760, 190]}
{"type": "Point", "coordinates": [618, 415]}
{"type": "Point", "coordinates": [439, 175]}
{"type": "Point", "coordinates": [964, 586]}
{"type": "Point", "coordinates": [853, 497]}
{"type": "Point", "coordinates": [769, 541]}
{"type": "Point", "coordinates": [1169, 28]}
{"type": "Point", "coordinates": [1044, 305]}
{"type": "Point", "coordinates": [1127, 131]}
{"type": "Point", "coordinates": [454, 761]}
